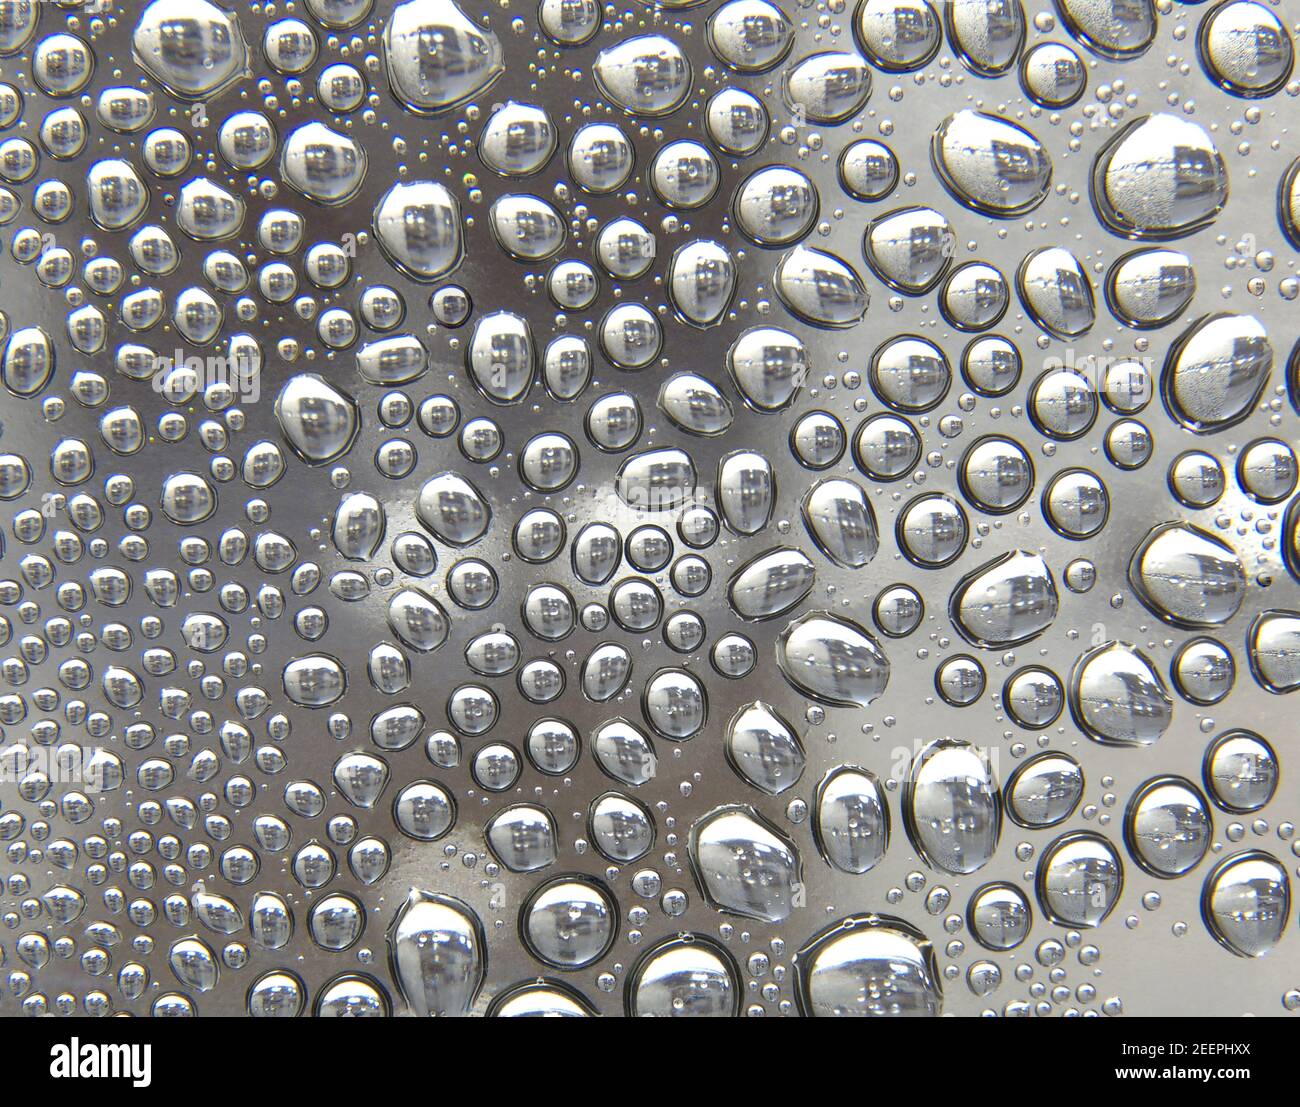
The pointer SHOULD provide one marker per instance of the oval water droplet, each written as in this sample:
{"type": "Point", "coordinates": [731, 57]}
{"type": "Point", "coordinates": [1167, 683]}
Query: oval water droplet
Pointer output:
{"type": "Point", "coordinates": [1274, 645]}
{"type": "Point", "coordinates": [953, 807]}
{"type": "Point", "coordinates": [763, 749]}
{"type": "Point", "coordinates": [1117, 696]}
{"type": "Point", "coordinates": [1008, 601]}
{"type": "Point", "coordinates": [870, 966]}
{"type": "Point", "coordinates": [851, 819]}
{"type": "Point", "coordinates": [1113, 28]}
{"type": "Point", "coordinates": [1216, 372]}
{"type": "Point", "coordinates": [686, 977]}
{"type": "Point", "coordinates": [744, 866]}
{"type": "Point", "coordinates": [832, 660]}
{"type": "Point", "coordinates": [190, 47]}
{"type": "Point", "coordinates": [772, 584]}
{"type": "Point", "coordinates": [1080, 877]}
{"type": "Point", "coordinates": [1188, 576]}
{"type": "Point", "coordinates": [644, 75]}
{"type": "Point", "coordinates": [318, 421]}
{"type": "Point", "coordinates": [417, 224]}
{"type": "Point", "coordinates": [840, 519]}
{"type": "Point", "coordinates": [1160, 176]}
{"type": "Point", "coordinates": [1149, 288]}
{"type": "Point", "coordinates": [437, 57]}
{"type": "Point", "coordinates": [820, 288]}
{"type": "Point", "coordinates": [1247, 902]}
{"type": "Point", "coordinates": [1167, 826]}
{"type": "Point", "coordinates": [990, 164]}
{"type": "Point", "coordinates": [1045, 790]}
{"type": "Point", "coordinates": [438, 954]}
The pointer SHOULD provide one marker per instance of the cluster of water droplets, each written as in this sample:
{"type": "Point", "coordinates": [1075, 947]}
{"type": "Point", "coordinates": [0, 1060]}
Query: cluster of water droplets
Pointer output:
{"type": "Point", "coordinates": [694, 509]}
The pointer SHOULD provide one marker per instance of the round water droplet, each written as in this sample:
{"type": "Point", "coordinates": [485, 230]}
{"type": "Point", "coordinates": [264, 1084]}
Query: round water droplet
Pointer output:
{"type": "Point", "coordinates": [1080, 877]}
{"type": "Point", "coordinates": [1247, 903]}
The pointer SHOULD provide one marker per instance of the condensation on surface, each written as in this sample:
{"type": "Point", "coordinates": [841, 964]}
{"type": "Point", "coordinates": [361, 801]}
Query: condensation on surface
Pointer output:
{"type": "Point", "coordinates": [742, 507]}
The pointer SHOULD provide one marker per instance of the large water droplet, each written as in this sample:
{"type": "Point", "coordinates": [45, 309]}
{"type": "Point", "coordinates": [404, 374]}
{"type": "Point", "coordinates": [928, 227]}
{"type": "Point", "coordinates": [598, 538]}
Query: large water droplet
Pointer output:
{"type": "Point", "coordinates": [437, 57]}
{"type": "Point", "coordinates": [833, 660]}
{"type": "Point", "coordinates": [870, 966]}
{"type": "Point", "coordinates": [953, 807]}
{"type": "Point", "coordinates": [744, 865]}
{"type": "Point", "coordinates": [436, 948]}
